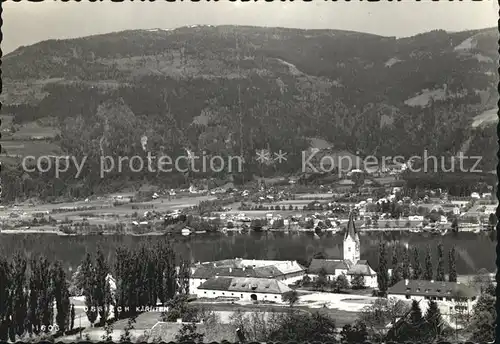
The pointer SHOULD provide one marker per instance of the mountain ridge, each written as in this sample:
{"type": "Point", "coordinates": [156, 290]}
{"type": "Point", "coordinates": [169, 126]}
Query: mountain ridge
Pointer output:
{"type": "Point", "coordinates": [362, 92]}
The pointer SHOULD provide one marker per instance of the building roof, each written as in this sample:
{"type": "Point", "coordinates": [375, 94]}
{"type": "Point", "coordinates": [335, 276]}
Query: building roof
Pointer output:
{"type": "Point", "coordinates": [351, 228]}
{"type": "Point", "coordinates": [243, 284]}
{"type": "Point", "coordinates": [361, 268]}
{"type": "Point", "coordinates": [207, 271]}
{"type": "Point", "coordinates": [329, 265]}
{"type": "Point", "coordinates": [261, 268]}
{"type": "Point", "coordinates": [432, 288]}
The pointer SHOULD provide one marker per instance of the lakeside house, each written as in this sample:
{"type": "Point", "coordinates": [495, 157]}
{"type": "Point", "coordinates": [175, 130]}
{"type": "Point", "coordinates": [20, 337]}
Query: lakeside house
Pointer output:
{"type": "Point", "coordinates": [244, 289]}
{"type": "Point", "coordinates": [450, 296]}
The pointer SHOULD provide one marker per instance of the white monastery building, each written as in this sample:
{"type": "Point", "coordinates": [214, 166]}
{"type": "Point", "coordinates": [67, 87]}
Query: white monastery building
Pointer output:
{"type": "Point", "coordinates": [287, 272]}
{"type": "Point", "coordinates": [242, 288]}
{"type": "Point", "coordinates": [351, 265]}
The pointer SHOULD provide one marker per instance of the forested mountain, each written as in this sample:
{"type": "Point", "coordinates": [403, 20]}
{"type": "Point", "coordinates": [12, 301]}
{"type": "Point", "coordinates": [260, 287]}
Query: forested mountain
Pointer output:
{"type": "Point", "coordinates": [232, 89]}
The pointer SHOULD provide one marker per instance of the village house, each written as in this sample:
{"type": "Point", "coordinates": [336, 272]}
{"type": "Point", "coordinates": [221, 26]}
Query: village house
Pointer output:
{"type": "Point", "coordinates": [450, 296]}
{"type": "Point", "coordinates": [350, 265]}
{"type": "Point", "coordinates": [244, 289]}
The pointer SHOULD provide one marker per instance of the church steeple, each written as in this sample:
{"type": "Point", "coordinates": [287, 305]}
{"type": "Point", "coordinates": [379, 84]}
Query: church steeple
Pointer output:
{"type": "Point", "coordinates": [352, 250]}
{"type": "Point", "coordinates": [351, 228]}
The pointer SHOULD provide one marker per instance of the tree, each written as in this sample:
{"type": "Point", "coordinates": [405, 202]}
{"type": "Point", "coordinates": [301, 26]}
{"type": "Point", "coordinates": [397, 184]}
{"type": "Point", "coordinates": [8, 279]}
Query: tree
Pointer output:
{"type": "Point", "coordinates": [188, 333]}
{"type": "Point", "coordinates": [428, 273]}
{"type": "Point", "coordinates": [321, 281]}
{"type": "Point", "coordinates": [358, 282]}
{"type": "Point", "coordinates": [5, 297]}
{"type": "Point", "coordinates": [255, 327]}
{"type": "Point", "coordinates": [483, 320]}
{"type": "Point", "coordinates": [303, 327]}
{"type": "Point", "coordinates": [440, 266]}
{"type": "Point", "coordinates": [126, 335]}
{"type": "Point", "coordinates": [45, 311]}
{"type": "Point", "coordinates": [434, 320]}
{"type": "Point", "coordinates": [178, 309]}
{"type": "Point", "coordinates": [101, 291]}
{"type": "Point", "coordinates": [88, 280]}
{"type": "Point", "coordinates": [452, 266]}
{"type": "Point", "coordinates": [417, 268]}
{"type": "Point", "coordinates": [19, 294]}
{"type": "Point", "coordinates": [305, 281]}
{"type": "Point", "coordinates": [341, 283]}
{"type": "Point", "coordinates": [397, 273]}
{"type": "Point", "coordinates": [354, 334]}
{"type": "Point", "coordinates": [61, 295]}
{"type": "Point", "coordinates": [381, 312]}
{"type": "Point", "coordinates": [291, 297]}
{"type": "Point", "coordinates": [406, 273]}
{"type": "Point", "coordinates": [413, 326]}
{"type": "Point", "coordinates": [107, 336]}
{"type": "Point", "coordinates": [382, 273]}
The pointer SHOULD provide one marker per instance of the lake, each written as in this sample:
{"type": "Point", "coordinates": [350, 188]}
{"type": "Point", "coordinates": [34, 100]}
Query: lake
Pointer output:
{"type": "Point", "coordinates": [474, 251]}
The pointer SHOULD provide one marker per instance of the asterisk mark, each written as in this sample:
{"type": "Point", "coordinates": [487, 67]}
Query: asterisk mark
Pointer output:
{"type": "Point", "coordinates": [280, 156]}
{"type": "Point", "coordinates": [263, 156]}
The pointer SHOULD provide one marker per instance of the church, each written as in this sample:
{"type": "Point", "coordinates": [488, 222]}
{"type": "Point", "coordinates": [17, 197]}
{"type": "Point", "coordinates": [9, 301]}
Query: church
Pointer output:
{"type": "Point", "coordinates": [350, 265]}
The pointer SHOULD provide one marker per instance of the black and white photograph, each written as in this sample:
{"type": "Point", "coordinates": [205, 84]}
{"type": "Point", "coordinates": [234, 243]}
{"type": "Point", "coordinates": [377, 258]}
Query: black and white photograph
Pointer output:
{"type": "Point", "coordinates": [249, 171]}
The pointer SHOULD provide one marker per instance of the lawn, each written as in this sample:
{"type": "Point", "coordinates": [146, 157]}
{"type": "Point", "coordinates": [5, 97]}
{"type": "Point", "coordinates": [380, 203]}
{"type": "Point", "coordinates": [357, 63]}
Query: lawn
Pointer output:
{"type": "Point", "coordinates": [26, 147]}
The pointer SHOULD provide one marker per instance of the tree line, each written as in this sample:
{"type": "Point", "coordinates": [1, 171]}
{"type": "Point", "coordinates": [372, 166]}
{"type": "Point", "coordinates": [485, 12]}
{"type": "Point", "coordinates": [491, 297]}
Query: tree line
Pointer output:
{"type": "Point", "coordinates": [35, 294]}
{"type": "Point", "coordinates": [34, 297]}
{"type": "Point", "coordinates": [405, 268]}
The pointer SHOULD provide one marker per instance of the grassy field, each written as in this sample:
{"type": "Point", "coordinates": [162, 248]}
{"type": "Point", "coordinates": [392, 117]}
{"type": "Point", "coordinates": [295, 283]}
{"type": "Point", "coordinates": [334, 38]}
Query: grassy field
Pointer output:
{"type": "Point", "coordinates": [24, 148]}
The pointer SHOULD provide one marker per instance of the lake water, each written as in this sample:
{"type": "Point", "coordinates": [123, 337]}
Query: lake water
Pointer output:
{"type": "Point", "coordinates": [474, 251]}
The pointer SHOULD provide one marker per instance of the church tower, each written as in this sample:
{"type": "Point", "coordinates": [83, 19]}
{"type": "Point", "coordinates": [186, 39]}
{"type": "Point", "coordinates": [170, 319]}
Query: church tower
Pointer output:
{"type": "Point", "coordinates": [352, 250]}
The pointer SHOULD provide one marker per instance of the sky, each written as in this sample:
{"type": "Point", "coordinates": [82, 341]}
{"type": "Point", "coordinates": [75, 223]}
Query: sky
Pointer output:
{"type": "Point", "coordinates": [26, 23]}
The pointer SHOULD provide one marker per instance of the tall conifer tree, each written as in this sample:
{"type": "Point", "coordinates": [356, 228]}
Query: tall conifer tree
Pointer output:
{"type": "Point", "coordinates": [417, 267]}
{"type": "Point", "coordinates": [440, 266]}
{"type": "Point", "coordinates": [406, 264]}
{"type": "Point", "coordinates": [5, 297]}
{"type": "Point", "coordinates": [428, 272]}
{"type": "Point", "coordinates": [452, 265]}
{"type": "Point", "coordinates": [102, 293]}
{"type": "Point", "coordinates": [88, 280]}
{"type": "Point", "coordinates": [382, 273]}
{"type": "Point", "coordinates": [61, 295]}
{"type": "Point", "coordinates": [19, 294]}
